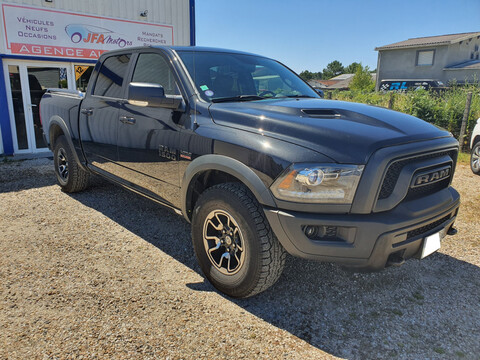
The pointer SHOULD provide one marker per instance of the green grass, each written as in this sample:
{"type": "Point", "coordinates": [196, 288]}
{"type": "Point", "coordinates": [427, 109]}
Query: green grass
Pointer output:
{"type": "Point", "coordinates": [463, 158]}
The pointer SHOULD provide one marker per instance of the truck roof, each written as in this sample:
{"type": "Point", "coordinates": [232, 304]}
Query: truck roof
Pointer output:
{"type": "Point", "coordinates": [204, 49]}
{"type": "Point", "coordinates": [182, 48]}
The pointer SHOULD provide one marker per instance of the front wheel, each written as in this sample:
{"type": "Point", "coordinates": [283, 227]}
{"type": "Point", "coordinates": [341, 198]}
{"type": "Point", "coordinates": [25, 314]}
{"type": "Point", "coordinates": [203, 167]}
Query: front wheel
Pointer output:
{"type": "Point", "coordinates": [475, 159]}
{"type": "Point", "coordinates": [235, 246]}
{"type": "Point", "coordinates": [70, 175]}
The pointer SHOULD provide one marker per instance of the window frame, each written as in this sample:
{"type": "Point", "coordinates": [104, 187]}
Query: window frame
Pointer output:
{"type": "Point", "coordinates": [425, 50]}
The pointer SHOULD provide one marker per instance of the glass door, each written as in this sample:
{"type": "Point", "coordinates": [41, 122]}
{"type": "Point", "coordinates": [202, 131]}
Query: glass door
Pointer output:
{"type": "Point", "coordinates": [39, 80]}
{"type": "Point", "coordinates": [17, 113]}
{"type": "Point", "coordinates": [26, 84]}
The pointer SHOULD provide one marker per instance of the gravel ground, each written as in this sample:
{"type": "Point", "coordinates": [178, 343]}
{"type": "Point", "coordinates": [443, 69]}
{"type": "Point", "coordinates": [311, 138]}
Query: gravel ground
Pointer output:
{"type": "Point", "coordinates": [108, 274]}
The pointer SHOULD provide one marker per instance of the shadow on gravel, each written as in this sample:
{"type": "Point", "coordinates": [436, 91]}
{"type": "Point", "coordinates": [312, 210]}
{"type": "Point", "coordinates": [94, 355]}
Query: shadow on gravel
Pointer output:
{"type": "Point", "coordinates": [25, 175]}
{"type": "Point", "coordinates": [424, 309]}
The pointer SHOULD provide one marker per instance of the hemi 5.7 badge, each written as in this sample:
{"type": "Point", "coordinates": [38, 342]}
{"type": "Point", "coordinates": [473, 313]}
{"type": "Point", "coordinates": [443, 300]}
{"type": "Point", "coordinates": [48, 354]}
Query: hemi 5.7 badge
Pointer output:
{"type": "Point", "coordinates": [431, 176]}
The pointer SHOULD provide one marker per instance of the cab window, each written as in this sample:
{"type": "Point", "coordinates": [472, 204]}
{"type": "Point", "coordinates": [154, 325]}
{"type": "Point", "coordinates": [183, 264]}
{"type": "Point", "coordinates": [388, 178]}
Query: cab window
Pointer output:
{"type": "Point", "coordinates": [154, 68]}
{"type": "Point", "coordinates": [110, 76]}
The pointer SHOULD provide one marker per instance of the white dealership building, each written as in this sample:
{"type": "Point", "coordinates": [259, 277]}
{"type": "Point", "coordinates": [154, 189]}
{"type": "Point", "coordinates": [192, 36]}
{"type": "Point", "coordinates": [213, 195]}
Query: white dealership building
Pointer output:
{"type": "Point", "coordinates": [54, 44]}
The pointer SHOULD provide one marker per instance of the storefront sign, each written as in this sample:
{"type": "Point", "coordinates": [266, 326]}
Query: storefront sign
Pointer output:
{"type": "Point", "coordinates": [54, 33]}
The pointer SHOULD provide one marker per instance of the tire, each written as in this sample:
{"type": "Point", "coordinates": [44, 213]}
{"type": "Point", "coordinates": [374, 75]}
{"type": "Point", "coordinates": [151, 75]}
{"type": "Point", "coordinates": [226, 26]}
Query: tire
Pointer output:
{"type": "Point", "coordinates": [233, 223]}
{"type": "Point", "coordinates": [70, 176]}
{"type": "Point", "coordinates": [475, 158]}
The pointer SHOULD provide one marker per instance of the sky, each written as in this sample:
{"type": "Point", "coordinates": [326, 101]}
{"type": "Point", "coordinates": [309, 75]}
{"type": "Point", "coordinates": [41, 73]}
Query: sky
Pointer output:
{"type": "Point", "coordinates": [309, 34]}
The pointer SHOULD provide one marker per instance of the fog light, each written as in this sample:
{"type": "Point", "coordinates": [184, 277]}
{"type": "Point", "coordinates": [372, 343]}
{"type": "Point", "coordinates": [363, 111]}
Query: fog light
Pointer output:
{"type": "Point", "coordinates": [321, 232]}
{"type": "Point", "coordinates": [311, 231]}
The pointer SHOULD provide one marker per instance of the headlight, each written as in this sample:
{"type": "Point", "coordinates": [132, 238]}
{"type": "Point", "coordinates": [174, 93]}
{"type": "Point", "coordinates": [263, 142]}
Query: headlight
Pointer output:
{"type": "Point", "coordinates": [318, 183]}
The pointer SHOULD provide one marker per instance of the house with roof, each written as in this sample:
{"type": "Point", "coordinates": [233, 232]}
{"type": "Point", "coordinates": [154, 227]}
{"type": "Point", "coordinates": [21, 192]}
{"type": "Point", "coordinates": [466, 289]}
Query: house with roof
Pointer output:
{"type": "Point", "coordinates": [448, 58]}
{"type": "Point", "coordinates": [339, 82]}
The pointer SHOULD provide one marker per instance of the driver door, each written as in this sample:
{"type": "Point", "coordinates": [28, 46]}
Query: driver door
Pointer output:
{"type": "Point", "coordinates": [148, 137]}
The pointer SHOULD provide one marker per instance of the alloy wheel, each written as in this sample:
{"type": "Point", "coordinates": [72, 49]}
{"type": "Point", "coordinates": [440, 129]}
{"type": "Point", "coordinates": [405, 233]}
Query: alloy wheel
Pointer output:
{"type": "Point", "coordinates": [223, 242]}
{"type": "Point", "coordinates": [62, 164]}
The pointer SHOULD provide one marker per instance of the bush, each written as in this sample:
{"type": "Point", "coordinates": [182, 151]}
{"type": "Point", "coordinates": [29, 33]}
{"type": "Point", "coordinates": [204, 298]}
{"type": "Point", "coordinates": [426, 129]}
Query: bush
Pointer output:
{"type": "Point", "coordinates": [443, 109]}
{"type": "Point", "coordinates": [362, 80]}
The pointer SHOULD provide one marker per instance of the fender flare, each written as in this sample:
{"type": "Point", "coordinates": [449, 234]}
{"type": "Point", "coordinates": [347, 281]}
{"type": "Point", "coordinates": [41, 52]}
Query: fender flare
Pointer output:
{"type": "Point", "coordinates": [58, 121]}
{"type": "Point", "coordinates": [230, 166]}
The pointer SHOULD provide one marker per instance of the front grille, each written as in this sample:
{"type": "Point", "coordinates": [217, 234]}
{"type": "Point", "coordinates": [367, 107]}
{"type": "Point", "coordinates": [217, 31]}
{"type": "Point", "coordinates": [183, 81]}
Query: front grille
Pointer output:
{"type": "Point", "coordinates": [415, 193]}
{"type": "Point", "coordinates": [424, 229]}
{"type": "Point", "coordinates": [396, 167]}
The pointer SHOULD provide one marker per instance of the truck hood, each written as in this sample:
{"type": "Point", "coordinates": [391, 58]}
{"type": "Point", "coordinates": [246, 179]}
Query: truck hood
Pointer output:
{"type": "Point", "coordinates": [346, 132]}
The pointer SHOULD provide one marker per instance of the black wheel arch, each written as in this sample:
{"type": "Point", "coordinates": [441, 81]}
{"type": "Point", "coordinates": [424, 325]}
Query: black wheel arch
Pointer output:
{"type": "Point", "coordinates": [225, 169]}
{"type": "Point", "coordinates": [58, 127]}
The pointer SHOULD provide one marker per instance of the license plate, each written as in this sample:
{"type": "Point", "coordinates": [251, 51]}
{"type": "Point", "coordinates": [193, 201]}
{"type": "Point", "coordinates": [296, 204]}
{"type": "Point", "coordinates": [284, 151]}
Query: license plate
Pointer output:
{"type": "Point", "coordinates": [431, 244]}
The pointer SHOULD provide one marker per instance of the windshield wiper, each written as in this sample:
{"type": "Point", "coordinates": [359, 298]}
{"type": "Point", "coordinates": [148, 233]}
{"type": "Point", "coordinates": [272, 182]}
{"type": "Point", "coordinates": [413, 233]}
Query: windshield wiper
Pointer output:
{"type": "Point", "coordinates": [300, 96]}
{"type": "Point", "coordinates": [239, 98]}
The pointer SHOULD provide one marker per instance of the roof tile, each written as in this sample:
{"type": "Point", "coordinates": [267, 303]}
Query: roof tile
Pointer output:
{"type": "Point", "coordinates": [430, 40]}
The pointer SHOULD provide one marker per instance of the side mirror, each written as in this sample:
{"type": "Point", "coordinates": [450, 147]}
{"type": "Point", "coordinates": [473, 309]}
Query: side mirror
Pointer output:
{"type": "Point", "coordinates": [320, 92]}
{"type": "Point", "coordinates": [147, 94]}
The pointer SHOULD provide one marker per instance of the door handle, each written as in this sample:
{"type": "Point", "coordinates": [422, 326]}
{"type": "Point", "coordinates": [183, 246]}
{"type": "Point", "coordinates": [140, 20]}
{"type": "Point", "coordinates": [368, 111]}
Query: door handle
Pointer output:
{"type": "Point", "coordinates": [128, 120]}
{"type": "Point", "coordinates": [87, 111]}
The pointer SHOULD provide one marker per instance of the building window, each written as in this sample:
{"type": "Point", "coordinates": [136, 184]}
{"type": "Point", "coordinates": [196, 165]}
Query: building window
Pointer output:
{"type": "Point", "coordinates": [425, 57]}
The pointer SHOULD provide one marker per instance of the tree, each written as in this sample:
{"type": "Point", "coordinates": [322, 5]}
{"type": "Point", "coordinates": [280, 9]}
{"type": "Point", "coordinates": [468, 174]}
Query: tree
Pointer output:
{"type": "Point", "coordinates": [352, 68]}
{"type": "Point", "coordinates": [306, 75]}
{"type": "Point", "coordinates": [362, 80]}
{"type": "Point", "coordinates": [333, 69]}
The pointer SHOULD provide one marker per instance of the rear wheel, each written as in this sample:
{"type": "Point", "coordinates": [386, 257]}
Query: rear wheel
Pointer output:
{"type": "Point", "coordinates": [235, 246]}
{"type": "Point", "coordinates": [70, 175]}
{"type": "Point", "coordinates": [475, 159]}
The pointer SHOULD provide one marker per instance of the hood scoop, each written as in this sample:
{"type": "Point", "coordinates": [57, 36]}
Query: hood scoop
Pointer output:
{"type": "Point", "coordinates": [321, 113]}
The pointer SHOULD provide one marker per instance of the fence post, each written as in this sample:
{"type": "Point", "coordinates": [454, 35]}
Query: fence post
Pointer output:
{"type": "Point", "coordinates": [461, 139]}
{"type": "Point", "coordinates": [391, 100]}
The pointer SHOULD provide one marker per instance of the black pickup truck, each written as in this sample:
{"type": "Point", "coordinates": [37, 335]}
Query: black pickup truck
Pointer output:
{"type": "Point", "coordinates": [256, 161]}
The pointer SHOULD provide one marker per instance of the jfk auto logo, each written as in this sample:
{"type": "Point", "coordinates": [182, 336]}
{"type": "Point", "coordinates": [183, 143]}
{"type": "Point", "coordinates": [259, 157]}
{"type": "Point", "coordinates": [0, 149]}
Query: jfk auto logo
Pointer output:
{"type": "Point", "coordinates": [431, 177]}
{"type": "Point", "coordinates": [89, 34]}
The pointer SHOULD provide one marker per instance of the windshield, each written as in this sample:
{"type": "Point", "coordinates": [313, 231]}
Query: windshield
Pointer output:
{"type": "Point", "coordinates": [237, 77]}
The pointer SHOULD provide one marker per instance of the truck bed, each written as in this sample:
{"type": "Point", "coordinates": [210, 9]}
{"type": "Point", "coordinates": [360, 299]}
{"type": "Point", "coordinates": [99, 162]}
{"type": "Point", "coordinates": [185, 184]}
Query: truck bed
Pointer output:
{"type": "Point", "coordinates": [61, 105]}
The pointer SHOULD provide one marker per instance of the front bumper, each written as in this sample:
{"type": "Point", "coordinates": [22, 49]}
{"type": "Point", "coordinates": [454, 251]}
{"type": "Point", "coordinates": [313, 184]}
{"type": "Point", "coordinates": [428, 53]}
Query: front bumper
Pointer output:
{"type": "Point", "coordinates": [367, 241]}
